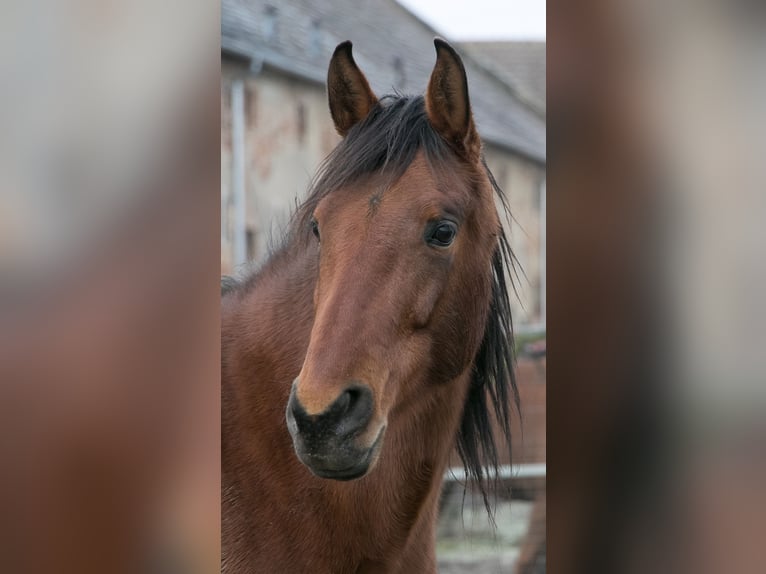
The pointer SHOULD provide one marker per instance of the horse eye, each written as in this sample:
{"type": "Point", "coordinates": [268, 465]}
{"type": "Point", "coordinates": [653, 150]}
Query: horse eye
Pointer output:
{"type": "Point", "coordinates": [442, 234]}
{"type": "Point", "coordinates": [315, 228]}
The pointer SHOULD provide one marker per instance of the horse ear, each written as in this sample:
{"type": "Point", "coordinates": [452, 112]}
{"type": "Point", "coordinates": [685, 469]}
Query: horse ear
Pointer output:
{"type": "Point", "coordinates": [351, 98]}
{"type": "Point", "coordinates": [447, 104]}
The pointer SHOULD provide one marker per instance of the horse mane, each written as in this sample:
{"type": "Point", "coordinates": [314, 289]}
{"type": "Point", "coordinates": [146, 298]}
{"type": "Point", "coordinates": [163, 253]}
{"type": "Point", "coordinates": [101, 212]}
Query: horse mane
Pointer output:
{"type": "Point", "coordinates": [493, 381]}
{"type": "Point", "coordinates": [384, 144]}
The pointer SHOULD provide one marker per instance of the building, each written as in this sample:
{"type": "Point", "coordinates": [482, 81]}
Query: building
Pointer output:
{"type": "Point", "coordinates": [276, 127]}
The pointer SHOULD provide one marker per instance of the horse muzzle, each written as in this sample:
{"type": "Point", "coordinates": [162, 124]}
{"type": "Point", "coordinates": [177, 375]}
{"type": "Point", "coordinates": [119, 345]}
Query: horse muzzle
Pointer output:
{"type": "Point", "coordinates": [331, 443]}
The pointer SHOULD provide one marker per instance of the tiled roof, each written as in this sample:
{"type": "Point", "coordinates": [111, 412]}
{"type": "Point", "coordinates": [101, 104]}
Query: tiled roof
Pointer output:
{"type": "Point", "coordinates": [520, 64]}
{"type": "Point", "coordinates": [391, 45]}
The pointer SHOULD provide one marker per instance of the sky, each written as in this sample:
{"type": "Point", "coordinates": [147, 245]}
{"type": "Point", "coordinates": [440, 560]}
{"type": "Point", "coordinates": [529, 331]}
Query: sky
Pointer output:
{"type": "Point", "coordinates": [483, 19]}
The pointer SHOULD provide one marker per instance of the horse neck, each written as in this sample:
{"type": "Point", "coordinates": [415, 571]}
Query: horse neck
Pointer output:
{"type": "Point", "coordinates": [264, 336]}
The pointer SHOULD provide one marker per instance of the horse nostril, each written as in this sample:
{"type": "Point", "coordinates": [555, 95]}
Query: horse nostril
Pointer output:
{"type": "Point", "coordinates": [347, 415]}
{"type": "Point", "coordinates": [357, 411]}
{"type": "Point", "coordinates": [344, 402]}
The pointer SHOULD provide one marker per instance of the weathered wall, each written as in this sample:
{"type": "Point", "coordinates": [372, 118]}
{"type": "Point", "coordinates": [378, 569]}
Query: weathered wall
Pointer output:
{"type": "Point", "coordinates": [288, 134]}
{"type": "Point", "coordinates": [522, 180]}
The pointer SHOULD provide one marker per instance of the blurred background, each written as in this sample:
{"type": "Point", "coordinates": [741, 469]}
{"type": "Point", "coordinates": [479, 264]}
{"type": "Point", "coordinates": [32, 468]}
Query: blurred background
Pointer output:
{"type": "Point", "coordinates": [276, 129]}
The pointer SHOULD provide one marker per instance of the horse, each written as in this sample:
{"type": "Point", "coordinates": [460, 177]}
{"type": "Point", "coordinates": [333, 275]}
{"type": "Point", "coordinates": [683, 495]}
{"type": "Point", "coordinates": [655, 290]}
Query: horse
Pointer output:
{"type": "Point", "coordinates": [373, 341]}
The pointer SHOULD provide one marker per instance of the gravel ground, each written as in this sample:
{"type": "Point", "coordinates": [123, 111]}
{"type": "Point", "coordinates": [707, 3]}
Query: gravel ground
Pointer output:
{"type": "Point", "coordinates": [487, 565]}
{"type": "Point", "coordinates": [467, 543]}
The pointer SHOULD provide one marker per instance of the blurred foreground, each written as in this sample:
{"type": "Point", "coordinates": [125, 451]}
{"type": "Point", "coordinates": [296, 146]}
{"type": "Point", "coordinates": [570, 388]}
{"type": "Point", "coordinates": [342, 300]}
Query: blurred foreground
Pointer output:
{"type": "Point", "coordinates": [109, 213]}
{"type": "Point", "coordinates": [656, 315]}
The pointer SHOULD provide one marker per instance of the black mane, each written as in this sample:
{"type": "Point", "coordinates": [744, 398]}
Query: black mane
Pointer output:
{"type": "Point", "coordinates": [493, 382]}
{"type": "Point", "coordinates": [385, 144]}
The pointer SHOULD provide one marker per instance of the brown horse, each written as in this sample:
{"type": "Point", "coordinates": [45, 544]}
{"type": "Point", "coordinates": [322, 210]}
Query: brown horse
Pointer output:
{"type": "Point", "coordinates": [376, 338]}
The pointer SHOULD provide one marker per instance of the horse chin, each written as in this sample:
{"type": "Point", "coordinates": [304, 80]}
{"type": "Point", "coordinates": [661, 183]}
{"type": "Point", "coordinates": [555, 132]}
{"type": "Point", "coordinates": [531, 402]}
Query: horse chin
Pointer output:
{"type": "Point", "coordinates": [338, 467]}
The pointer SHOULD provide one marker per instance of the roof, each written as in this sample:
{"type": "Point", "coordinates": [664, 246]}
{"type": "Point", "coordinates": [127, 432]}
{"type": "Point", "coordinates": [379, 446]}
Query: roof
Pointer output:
{"type": "Point", "coordinates": [392, 46]}
{"type": "Point", "coordinates": [520, 64]}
